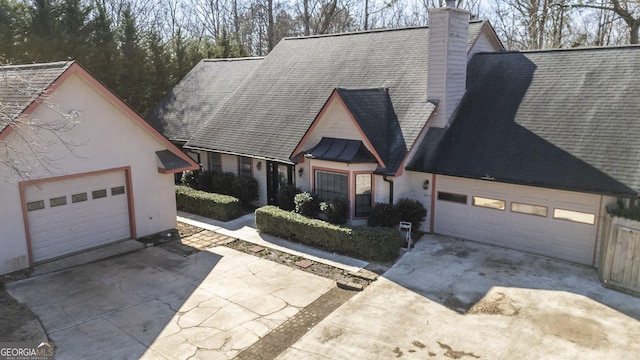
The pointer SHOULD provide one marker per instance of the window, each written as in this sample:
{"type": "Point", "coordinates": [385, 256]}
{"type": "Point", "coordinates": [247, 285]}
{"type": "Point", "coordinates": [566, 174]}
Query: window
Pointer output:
{"type": "Point", "coordinates": [489, 203]}
{"type": "Point", "coordinates": [35, 205]}
{"type": "Point", "coordinates": [118, 190]}
{"type": "Point", "coordinates": [363, 195]}
{"type": "Point", "coordinates": [58, 201]}
{"type": "Point", "coordinates": [215, 163]}
{"type": "Point", "coordinates": [99, 194]}
{"type": "Point", "coordinates": [456, 198]}
{"type": "Point", "coordinates": [75, 198]}
{"type": "Point", "coordinates": [331, 185]}
{"type": "Point", "coordinates": [575, 216]}
{"type": "Point", "coordinates": [529, 209]}
{"type": "Point", "coordinates": [244, 166]}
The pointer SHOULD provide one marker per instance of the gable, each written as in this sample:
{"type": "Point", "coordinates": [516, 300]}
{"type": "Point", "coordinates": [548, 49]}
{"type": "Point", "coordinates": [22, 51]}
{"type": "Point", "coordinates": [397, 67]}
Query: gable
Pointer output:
{"type": "Point", "coordinates": [79, 126]}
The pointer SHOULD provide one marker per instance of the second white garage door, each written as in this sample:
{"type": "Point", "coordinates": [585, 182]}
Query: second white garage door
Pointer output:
{"type": "Point", "coordinates": [75, 214]}
{"type": "Point", "coordinates": [559, 224]}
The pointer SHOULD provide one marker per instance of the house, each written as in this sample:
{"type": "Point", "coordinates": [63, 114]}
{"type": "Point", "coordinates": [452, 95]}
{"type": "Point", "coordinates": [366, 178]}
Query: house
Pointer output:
{"type": "Point", "coordinates": [79, 168]}
{"type": "Point", "coordinates": [519, 149]}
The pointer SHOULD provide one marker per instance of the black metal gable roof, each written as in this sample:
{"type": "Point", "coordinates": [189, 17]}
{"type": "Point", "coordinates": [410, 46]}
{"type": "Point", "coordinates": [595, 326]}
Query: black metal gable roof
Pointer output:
{"type": "Point", "coordinates": [564, 119]}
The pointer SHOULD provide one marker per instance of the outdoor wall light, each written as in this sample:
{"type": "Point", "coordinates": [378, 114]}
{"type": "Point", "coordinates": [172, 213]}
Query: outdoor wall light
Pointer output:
{"type": "Point", "coordinates": [425, 185]}
{"type": "Point", "coordinates": [300, 171]}
{"type": "Point", "coordinates": [259, 165]}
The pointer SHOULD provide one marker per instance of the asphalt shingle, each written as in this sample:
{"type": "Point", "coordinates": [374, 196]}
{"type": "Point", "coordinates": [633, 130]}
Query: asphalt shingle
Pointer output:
{"type": "Point", "coordinates": [20, 85]}
{"type": "Point", "coordinates": [565, 119]}
{"type": "Point", "coordinates": [273, 107]}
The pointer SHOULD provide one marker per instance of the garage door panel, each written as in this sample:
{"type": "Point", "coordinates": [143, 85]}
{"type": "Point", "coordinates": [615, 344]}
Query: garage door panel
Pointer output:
{"type": "Point", "coordinates": [559, 238]}
{"type": "Point", "coordinates": [75, 226]}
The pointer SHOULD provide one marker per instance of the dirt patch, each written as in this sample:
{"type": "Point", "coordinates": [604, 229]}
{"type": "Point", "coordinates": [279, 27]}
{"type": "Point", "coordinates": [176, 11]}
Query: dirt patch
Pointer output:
{"type": "Point", "coordinates": [283, 258]}
{"type": "Point", "coordinates": [496, 304]}
{"type": "Point", "coordinates": [454, 354]}
{"type": "Point", "coordinates": [579, 330]}
{"type": "Point", "coordinates": [18, 322]}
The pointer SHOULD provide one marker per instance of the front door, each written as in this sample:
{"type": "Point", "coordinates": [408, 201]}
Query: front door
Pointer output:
{"type": "Point", "coordinates": [278, 176]}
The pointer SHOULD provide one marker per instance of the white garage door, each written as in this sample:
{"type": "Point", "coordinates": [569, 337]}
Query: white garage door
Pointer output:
{"type": "Point", "coordinates": [76, 214]}
{"type": "Point", "coordinates": [559, 224]}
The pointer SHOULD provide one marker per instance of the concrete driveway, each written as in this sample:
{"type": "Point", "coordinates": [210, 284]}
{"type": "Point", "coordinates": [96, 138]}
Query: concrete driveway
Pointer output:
{"type": "Point", "coordinates": [455, 299]}
{"type": "Point", "coordinates": [158, 304]}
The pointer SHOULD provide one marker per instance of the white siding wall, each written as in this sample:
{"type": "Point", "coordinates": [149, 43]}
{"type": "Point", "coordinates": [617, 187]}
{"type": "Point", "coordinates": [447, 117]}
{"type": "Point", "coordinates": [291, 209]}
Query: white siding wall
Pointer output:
{"type": "Point", "coordinates": [485, 43]}
{"type": "Point", "coordinates": [303, 182]}
{"type": "Point", "coordinates": [409, 185]}
{"type": "Point", "coordinates": [261, 178]}
{"type": "Point", "coordinates": [447, 68]}
{"type": "Point", "coordinates": [105, 138]}
{"type": "Point", "coordinates": [336, 123]}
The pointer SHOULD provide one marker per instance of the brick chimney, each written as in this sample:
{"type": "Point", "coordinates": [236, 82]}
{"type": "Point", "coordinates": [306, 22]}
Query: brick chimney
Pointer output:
{"type": "Point", "coordinates": [447, 68]}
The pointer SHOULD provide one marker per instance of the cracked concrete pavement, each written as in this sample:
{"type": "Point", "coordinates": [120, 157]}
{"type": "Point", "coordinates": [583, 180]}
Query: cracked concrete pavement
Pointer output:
{"type": "Point", "coordinates": [156, 304]}
{"type": "Point", "coordinates": [456, 299]}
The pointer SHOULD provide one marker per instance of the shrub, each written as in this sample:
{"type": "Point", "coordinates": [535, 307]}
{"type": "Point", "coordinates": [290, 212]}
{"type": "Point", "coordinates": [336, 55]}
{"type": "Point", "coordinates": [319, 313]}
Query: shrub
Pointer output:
{"type": "Point", "coordinates": [385, 215]}
{"type": "Point", "coordinates": [379, 244]}
{"type": "Point", "coordinates": [336, 211]}
{"type": "Point", "coordinates": [307, 204]}
{"type": "Point", "coordinates": [285, 197]}
{"type": "Point", "coordinates": [412, 211]}
{"type": "Point", "coordinates": [632, 212]}
{"type": "Point", "coordinates": [204, 181]}
{"type": "Point", "coordinates": [222, 183]}
{"type": "Point", "coordinates": [190, 178]}
{"type": "Point", "coordinates": [214, 206]}
{"type": "Point", "coordinates": [245, 188]}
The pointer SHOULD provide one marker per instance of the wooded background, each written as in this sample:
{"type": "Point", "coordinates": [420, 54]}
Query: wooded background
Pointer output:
{"type": "Point", "coordinates": [141, 48]}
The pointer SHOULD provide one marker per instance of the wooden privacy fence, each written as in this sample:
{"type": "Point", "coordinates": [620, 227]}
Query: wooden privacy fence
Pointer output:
{"type": "Point", "coordinates": [620, 255]}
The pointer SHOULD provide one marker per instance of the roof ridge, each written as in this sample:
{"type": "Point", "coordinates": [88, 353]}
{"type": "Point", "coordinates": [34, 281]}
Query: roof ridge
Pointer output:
{"type": "Point", "coordinates": [234, 59]}
{"type": "Point", "coordinates": [576, 49]}
{"type": "Point", "coordinates": [56, 64]}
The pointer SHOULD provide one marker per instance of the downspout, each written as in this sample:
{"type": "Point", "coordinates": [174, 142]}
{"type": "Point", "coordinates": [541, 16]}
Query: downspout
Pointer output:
{"type": "Point", "coordinates": [386, 179]}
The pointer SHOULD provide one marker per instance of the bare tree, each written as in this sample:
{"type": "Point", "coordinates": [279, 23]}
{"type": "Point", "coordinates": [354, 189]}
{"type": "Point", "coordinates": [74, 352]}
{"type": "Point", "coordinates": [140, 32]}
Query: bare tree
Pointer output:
{"type": "Point", "coordinates": [31, 139]}
{"type": "Point", "coordinates": [627, 10]}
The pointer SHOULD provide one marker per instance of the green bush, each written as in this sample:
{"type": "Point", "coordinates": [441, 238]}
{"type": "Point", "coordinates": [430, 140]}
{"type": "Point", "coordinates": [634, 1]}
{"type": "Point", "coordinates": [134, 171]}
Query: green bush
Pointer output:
{"type": "Point", "coordinates": [190, 178]}
{"type": "Point", "coordinates": [632, 212]}
{"type": "Point", "coordinates": [214, 206]}
{"type": "Point", "coordinates": [222, 183]}
{"type": "Point", "coordinates": [245, 188]}
{"type": "Point", "coordinates": [383, 214]}
{"type": "Point", "coordinates": [285, 197]}
{"type": "Point", "coordinates": [204, 181]}
{"type": "Point", "coordinates": [412, 211]}
{"type": "Point", "coordinates": [379, 244]}
{"type": "Point", "coordinates": [336, 211]}
{"type": "Point", "coordinates": [387, 215]}
{"type": "Point", "coordinates": [307, 204]}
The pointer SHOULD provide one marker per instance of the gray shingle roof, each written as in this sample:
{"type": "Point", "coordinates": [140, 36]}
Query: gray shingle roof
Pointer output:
{"type": "Point", "coordinates": [199, 94]}
{"type": "Point", "coordinates": [272, 109]}
{"type": "Point", "coordinates": [20, 85]}
{"type": "Point", "coordinates": [566, 119]}
{"type": "Point", "coordinates": [341, 150]}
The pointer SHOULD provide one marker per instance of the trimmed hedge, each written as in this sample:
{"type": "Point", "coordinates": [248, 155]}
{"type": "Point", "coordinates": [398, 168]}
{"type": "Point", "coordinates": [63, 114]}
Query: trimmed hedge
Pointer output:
{"type": "Point", "coordinates": [380, 244]}
{"type": "Point", "coordinates": [214, 206]}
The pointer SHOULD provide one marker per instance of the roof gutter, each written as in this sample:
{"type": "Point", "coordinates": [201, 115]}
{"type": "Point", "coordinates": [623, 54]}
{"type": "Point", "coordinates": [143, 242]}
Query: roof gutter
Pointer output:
{"type": "Point", "coordinates": [386, 179]}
